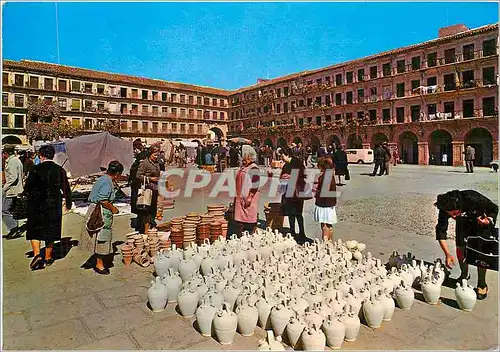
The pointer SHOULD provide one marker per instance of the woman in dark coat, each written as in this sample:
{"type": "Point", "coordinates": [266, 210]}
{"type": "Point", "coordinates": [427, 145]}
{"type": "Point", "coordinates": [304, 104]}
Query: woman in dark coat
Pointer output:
{"type": "Point", "coordinates": [149, 171]}
{"type": "Point", "coordinates": [472, 212]}
{"type": "Point", "coordinates": [291, 204]}
{"type": "Point", "coordinates": [340, 163]}
{"type": "Point", "coordinates": [46, 187]}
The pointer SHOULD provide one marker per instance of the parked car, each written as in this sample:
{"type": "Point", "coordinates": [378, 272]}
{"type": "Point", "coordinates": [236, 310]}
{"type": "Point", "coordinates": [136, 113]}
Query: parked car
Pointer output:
{"type": "Point", "coordinates": [359, 156]}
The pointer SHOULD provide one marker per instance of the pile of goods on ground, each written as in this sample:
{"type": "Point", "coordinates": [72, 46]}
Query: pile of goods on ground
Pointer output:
{"type": "Point", "coordinates": [309, 296]}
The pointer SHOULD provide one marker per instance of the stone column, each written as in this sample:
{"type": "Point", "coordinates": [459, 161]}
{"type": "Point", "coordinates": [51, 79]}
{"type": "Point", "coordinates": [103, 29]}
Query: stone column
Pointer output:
{"type": "Point", "coordinates": [423, 153]}
{"type": "Point", "coordinates": [458, 148]}
{"type": "Point", "coordinates": [495, 150]}
{"type": "Point", "coordinates": [367, 146]}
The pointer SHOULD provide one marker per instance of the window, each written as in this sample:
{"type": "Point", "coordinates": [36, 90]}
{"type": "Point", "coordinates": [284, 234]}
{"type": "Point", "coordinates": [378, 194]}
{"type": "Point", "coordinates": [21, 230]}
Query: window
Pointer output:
{"type": "Point", "coordinates": [338, 79]}
{"type": "Point", "coordinates": [488, 75]}
{"type": "Point", "coordinates": [285, 91]}
{"type": "Point", "coordinates": [301, 121]}
{"type": "Point", "coordinates": [432, 59]}
{"type": "Point", "coordinates": [199, 114]}
{"type": "Point", "coordinates": [19, 80]}
{"type": "Point", "coordinates": [301, 102]}
{"type": "Point", "coordinates": [75, 86]}
{"type": "Point", "coordinates": [449, 109]}
{"type": "Point", "coordinates": [144, 126]}
{"type": "Point", "coordinates": [415, 63]}
{"type": "Point", "coordinates": [183, 128]}
{"type": "Point", "coordinates": [361, 75]}
{"type": "Point", "coordinates": [415, 84]}
{"type": "Point", "coordinates": [222, 103]}
{"type": "Point", "coordinates": [327, 80]}
{"type": "Point", "coordinates": [400, 90]}
{"type": "Point", "coordinates": [183, 112]}
{"type": "Point", "coordinates": [5, 120]}
{"type": "Point", "coordinates": [386, 69]}
{"type": "Point", "coordinates": [75, 104]}
{"type": "Point", "coordinates": [468, 79]}
{"type": "Point", "coordinates": [174, 111]}
{"type": "Point", "coordinates": [349, 77]}
{"type": "Point", "coordinates": [285, 107]}
{"type": "Point", "coordinates": [144, 94]}
{"type": "Point", "coordinates": [400, 66]}
{"type": "Point", "coordinates": [19, 101]}
{"type": "Point", "coordinates": [431, 111]}
{"type": "Point", "coordinates": [278, 92]}
{"type": "Point", "coordinates": [5, 99]}
{"type": "Point", "coordinates": [431, 81]}
{"type": "Point", "coordinates": [449, 82]}
{"type": "Point", "coordinates": [348, 116]}
{"type": "Point", "coordinates": [155, 127]}
{"type": "Point", "coordinates": [361, 95]}
{"type": "Point", "coordinates": [155, 111]}
{"type": "Point", "coordinates": [328, 100]}
{"type": "Point", "coordinates": [328, 118]}
{"type": "Point", "coordinates": [278, 108]}
{"type": "Point", "coordinates": [468, 108]}
{"type": "Point", "coordinates": [123, 108]}
{"type": "Point", "coordinates": [18, 121]}
{"type": "Point", "coordinates": [222, 115]}
{"type": "Point", "coordinates": [468, 52]}
{"type": "Point", "coordinates": [214, 115]}
{"type": "Point", "coordinates": [373, 72]}
{"type": "Point", "coordinates": [318, 101]}
{"type": "Point", "coordinates": [318, 120]}
{"type": "Point", "coordinates": [34, 81]}
{"type": "Point", "coordinates": [135, 125]}
{"type": "Point", "coordinates": [373, 114]}
{"type": "Point", "coordinates": [338, 99]}
{"type": "Point", "coordinates": [145, 109]}
{"type": "Point", "coordinates": [400, 115]}
{"type": "Point", "coordinates": [48, 83]}
{"type": "Point", "coordinates": [100, 89]}
{"type": "Point", "coordinates": [48, 100]}
{"type": "Point", "coordinates": [135, 93]}
{"type": "Point", "coordinates": [449, 56]}
{"type": "Point", "coordinates": [63, 103]}
{"type": "Point", "coordinates": [309, 120]}
{"type": "Point", "coordinates": [32, 99]}
{"type": "Point", "coordinates": [75, 122]}
{"type": "Point", "coordinates": [373, 93]}
{"type": "Point", "coordinates": [198, 100]}
{"type": "Point", "coordinates": [309, 101]}
{"type": "Point", "coordinates": [123, 125]}
{"type": "Point", "coordinates": [87, 105]}
{"type": "Point", "coordinates": [386, 115]}
{"type": "Point", "coordinates": [206, 101]}
{"type": "Point", "coordinates": [135, 109]}
{"type": "Point", "coordinates": [489, 106]}
{"type": "Point", "coordinates": [5, 80]}
{"type": "Point", "coordinates": [319, 81]}
{"type": "Point", "coordinates": [100, 105]}
{"type": "Point", "coordinates": [62, 86]}
{"type": "Point", "coordinates": [348, 97]}
{"type": "Point", "coordinates": [164, 127]}
{"type": "Point", "coordinates": [415, 113]}
{"type": "Point", "coordinates": [361, 115]}
{"type": "Point", "coordinates": [489, 47]}
{"type": "Point", "coordinates": [338, 117]}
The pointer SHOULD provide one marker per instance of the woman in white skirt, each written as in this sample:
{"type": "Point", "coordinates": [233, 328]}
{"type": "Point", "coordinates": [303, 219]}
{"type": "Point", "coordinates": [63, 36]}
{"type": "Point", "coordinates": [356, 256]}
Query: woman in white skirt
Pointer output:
{"type": "Point", "coordinates": [326, 199]}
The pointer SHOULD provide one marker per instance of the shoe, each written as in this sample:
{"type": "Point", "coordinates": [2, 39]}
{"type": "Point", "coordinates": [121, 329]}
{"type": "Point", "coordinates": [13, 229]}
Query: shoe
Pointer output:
{"type": "Point", "coordinates": [11, 233]}
{"type": "Point", "coordinates": [37, 263]}
{"type": "Point", "coordinates": [90, 263]}
{"type": "Point", "coordinates": [104, 271]}
{"type": "Point", "coordinates": [49, 262]}
{"type": "Point", "coordinates": [481, 296]}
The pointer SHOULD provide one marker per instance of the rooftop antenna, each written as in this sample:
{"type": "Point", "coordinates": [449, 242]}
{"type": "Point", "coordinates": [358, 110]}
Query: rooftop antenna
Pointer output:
{"type": "Point", "coordinates": [57, 35]}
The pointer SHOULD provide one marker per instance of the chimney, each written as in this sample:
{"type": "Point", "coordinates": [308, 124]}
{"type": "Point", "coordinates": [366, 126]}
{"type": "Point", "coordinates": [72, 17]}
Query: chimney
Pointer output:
{"type": "Point", "coordinates": [452, 30]}
{"type": "Point", "coordinates": [260, 80]}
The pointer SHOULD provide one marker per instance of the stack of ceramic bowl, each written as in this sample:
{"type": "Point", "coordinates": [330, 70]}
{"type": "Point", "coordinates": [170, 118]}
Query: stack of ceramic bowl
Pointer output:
{"type": "Point", "coordinates": [127, 254]}
{"type": "Point", "coordinates": [217, 210]}
{"type": "Point", "coordinates": [165, 203]}
{"type": "Point", "coordinates": [215, 231]}
{"type": "Point", "coordinates": [164, 240]}
{"type": "Point", "coordinates": [189, 225]}
{"type": "Point", "coordinates": [154, 245]}
{"type": "Point", "coordinates": [139, 243]}
{"type": "Point", "coordinates": [176, 232]}
{"type": "Point", "coordinates": [202, 232]}
{"type": "Point", "coordinates": [164, 227]}
{"type": "Point", "coordinates": [224, 227]}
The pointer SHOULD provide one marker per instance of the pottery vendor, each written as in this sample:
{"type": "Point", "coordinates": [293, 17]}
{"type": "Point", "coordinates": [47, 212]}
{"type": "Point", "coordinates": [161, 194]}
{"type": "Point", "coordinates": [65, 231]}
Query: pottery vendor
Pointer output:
{"type": "Point", "coordinates": [103, 193]}
{"type": "Point", "coordinates": [472, 212]}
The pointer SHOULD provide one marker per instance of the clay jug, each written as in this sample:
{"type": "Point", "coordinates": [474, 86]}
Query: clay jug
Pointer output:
{"type": "Point", "coordinates": [188, 302]}
{"type": "Point", "coordinates": [187, 268]}
{"type": "Point", "coordinates": [465, 296]}
{"type": "Point", "coordinates": [388, 304]}
{"type": "Point", "coordinates": [264, 307]}
{"type": "Point", "coordinates": [275, 343]}
{"type": "Point", "coordinates": [280, 315]}
{"type": "Point", "coordinates": [431, 289]}
{"type": "Point", "coordinates": [294, 330]}
{"type": "Point", "coordinates": [225, 324]}
{"type": "Point", "coordinates": [208, 264]}
{"type": "Point", "coordinates": [404, 296]}
{"type": "Point", "coordinates": [334, 330]}
{"type": "Point", "coordinates": [352, 324]}
{"type": "Point", "coordinates": [204, 317]}
{"type": "Point", "coordinates": [161, 263]}
{"type": "Point", "coordinates": [248, 315]}
{"type": "Point", "coordinates": [373, 312]}
{"type": "Point", "coordinates": [215, 298]}
{"type": "Point", "coordinates": [230, 293]}
{"type": "Point", "coordinates": [313, 339]}
{"type": "Point", "coordinates": [439, 272]}
{"type": "Point", "coordinates": [157, 295]}
{"type": "Point", "coordinates": [406, 275]}
{"type": "Point", "coordinates": [172, 280]}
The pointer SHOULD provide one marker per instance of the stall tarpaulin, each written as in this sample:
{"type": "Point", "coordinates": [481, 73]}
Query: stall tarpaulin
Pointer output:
{"type": "Point", "coordinates": [87, 154]}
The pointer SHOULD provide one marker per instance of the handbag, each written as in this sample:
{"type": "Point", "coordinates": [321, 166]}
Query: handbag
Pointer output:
{"type": "Point", "coordinates": [145, 197]}
{"type": "Point", "coordinates": [482, 250]}
{"type": "Point", "coordinates": [95, 222]}
{"type": "Point", "coordinates": [19, 208]}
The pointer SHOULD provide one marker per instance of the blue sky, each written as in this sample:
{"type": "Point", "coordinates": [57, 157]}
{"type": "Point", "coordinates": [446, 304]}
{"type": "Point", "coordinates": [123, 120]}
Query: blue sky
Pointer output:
{"type": "Point", "coordinates": [223, 45]}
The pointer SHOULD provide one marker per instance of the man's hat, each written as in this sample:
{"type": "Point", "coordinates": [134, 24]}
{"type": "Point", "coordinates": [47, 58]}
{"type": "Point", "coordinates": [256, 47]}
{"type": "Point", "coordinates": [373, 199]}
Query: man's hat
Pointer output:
{"type": "Point", "coordinates": [9, 148]}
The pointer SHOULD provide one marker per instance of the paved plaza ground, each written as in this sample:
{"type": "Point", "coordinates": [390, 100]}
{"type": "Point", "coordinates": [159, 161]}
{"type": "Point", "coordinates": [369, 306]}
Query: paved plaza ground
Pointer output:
{"type": "Point", "coordinates": [65, 307]}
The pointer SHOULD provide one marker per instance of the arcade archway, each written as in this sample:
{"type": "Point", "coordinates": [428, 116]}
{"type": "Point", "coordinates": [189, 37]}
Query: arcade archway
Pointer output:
{"type": "Point", "coordinates": [440, 149]}
{"type": "Point", "coordinates": [268, 142]}
{"type": "Point", "coordinates": [482, 141]}
{"type": "Point", "coordinates": [354, 142]}
{"type": "Point", "coordinates": [218, 133]}
{"type": "Point", "coordinates": [282, 142]}
{"type": "Point", "coordinates": [408, 148]}
{"type": "Point", "coordinates": [297, 140]}
{"type": "Point", "coordinates": [378, 138]}
{"type": "Point", "coordinates": [333, 140]}
{"type": "Point", "coordinates": [256, 142]}
{"type": "Point", "coordinates": [11, 140]}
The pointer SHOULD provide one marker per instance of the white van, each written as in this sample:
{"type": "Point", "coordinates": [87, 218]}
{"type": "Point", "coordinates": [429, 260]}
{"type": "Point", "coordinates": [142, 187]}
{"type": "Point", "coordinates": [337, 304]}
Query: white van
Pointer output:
{"type": "Point", "coordinates": [359, 156]}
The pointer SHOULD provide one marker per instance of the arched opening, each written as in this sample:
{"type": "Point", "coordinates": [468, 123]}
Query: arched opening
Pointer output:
{"type": "Point", "coordinates": [11, 140]}
{"type": "Point", "coordinates": [315, 144]}
{"type": "Point", "coordinates": [282, 142]}
{"type": "Point", "coordinates": [354, 142]}
{"type": "Point", "coordinates": [408, 148]}
{"type": "Point", "coordinates": [256, 142]}
{"type": "Point", "coordinates": [482, 141]}
{"type": "Point", "coordinates": [218, 133]}
{"type": "Point", "coordinates": [440, 149]}
{"type": "Point", "coordinates": [269, 142]}
{"type": "Point", "coordinates": [333, 140]}
{"type": "Point", "coordinates": [297, 140]}
{"type": "Point", "coordinates": [378, 138]}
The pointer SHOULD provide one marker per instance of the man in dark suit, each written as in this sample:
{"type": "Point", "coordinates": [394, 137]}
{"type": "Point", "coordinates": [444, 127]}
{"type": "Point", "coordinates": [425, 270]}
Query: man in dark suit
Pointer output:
{"type": "Point", "coordinates": [470, 156]}
{"type": "Point", "coordinates": [379, 158]}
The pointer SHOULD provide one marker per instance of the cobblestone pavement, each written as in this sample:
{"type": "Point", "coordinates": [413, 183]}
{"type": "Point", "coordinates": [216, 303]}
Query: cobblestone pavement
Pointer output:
{"type": "Point", "coordinates": [65, 307]}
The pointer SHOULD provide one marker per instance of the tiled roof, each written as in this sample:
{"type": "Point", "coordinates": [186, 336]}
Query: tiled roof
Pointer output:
{"type": "Point", "coordinates": [398, 51]}
{"type": "Point", "coordinates": [44, 67]}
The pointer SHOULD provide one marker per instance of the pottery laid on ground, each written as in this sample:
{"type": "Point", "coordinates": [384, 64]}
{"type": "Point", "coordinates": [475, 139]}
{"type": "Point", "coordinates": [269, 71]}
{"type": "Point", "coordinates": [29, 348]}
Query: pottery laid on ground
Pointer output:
{"type": "Point", "coordinates": [334, 330]}
{"type": "Point", "coordinates": [404, 296]}
{"type": "Point", "coordinates": [465, 296]}
{"type": "Point", "coordinates": [431, 289]}
{"type": "Point", "coordinates": [373, 311]}
{"type": "Point", "coordinates": [157, 295]}
{"type": "Point", "coordinates": [225, 323]}
{"type": "Point", "coordinates": [205, 314]}
{"type": "Point", "coordinates": [313, 339]}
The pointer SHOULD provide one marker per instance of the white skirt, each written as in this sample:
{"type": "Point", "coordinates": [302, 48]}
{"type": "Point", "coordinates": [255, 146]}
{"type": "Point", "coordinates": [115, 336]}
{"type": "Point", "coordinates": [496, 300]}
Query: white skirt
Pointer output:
{"type": "Point", "coordinates": [325, 215]}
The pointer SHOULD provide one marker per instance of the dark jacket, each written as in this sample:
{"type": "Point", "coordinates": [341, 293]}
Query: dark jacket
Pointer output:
{"type": "Point", "coordinates": [46, 187]}
{"type": "Point", "coordinates": [326, 201]}
{"type": "Point", "coordinates": [387, 155]}
{"type": "Point", "coordinates": [134, 183]}
{"type": "Point", "coordinates": [472, 205]}
{"type": "Point", "coordinates": [379, 154]}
